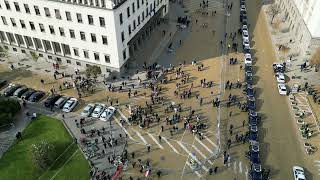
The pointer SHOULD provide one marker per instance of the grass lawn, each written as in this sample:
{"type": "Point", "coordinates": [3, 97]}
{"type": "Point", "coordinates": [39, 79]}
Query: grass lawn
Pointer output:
{"type": "Point", "coordinates": [17, 162]}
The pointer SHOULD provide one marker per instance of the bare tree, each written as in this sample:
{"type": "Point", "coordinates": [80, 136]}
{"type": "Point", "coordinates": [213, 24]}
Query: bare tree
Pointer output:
{"type": "Point", "coordinates": [315, 59]}
{"type": "Point", "coordinates": [275, 10]}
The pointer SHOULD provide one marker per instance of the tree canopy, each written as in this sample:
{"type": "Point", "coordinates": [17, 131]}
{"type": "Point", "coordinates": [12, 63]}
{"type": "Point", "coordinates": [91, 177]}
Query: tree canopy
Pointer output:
{"type": "Point", "coordinates": [8, 109]}
{"type": "Point", "coordinates": [93, 71]}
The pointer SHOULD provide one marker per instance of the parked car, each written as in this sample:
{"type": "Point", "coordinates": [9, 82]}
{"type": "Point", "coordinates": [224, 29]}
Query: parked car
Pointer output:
{"type": "Point", "coordinates": [27, 94]}
{"type": "Point", "coordinates": [245, 34]}
{"type": "Point", "coordinates": [280, 78]}
{"type": "Point", "coordinates": [61, 101]}
{"type": "Point", "coordinates": [278, 68]}
{"type": "Point", "coordinates": [244, 28]}
{"type": "Point", "coordinates": [245, 44]}
{"type": "Point", "coordinates": [70, 105]}
{"type": "Point", "coordinates": [2, 83]}
{"type": "Point", "coordinates": [298, 173]}
{"type": "Point", "coordinates": [247, 59]}
{"type": "Point", "coordinates": [107, 113]}
{"type": "Point", "coordinates": [87, 110]}
{"type": "Point", "coordinates": [35, 97]}
{"type": "Point", "coordinates": [243, 8]}
{"type": "Point", "coordinates": [98, 110]}
{"type": "Point", "coordinates": [20, 91]}
{"type": "Point", "coordinates": [11, 89]}
{"type": "Point", "coordinates": [51, 100]}
{"type": "Point", "coordinates": [282, 89]}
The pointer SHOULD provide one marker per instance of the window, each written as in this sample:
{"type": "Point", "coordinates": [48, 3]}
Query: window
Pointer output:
{"type": "Point", "coordinates": [19, 39]}
{"type": "Point", "coordinates": [4, 20]}
{"type": "Point", "coordinates": [36, 10]}
{"type": "Point", "coordinates": [49, 57]}
{"type": "Point", "coordinates": [66, 49]}
{"type": "Point", "coordinates": [102, 22]}
{"type": "Point", "coordinates": [133, 8]}
{"type": "Point", "coordinates": [61, 30]}
{"type": "Point", "coordinates": [103, 3]}
{"type": "Point", "coordinates": [28, 41]}
{"type": "Point", "coordinates": [37, 43]}
{"type": "Point", "coordinates": [78, 63]}
{"type": "Point", "coordinates": [120, 17]}
{"type": "Point", "coordinates": [68, 61]}
{"type": "Point", "coordinates": [51, 29]}
{"type": "Point", "coordinates": [79, 18]}
{"type": "Point", "coordinates": [57, 13]}
{"type": "Point", "coordinates": [128, 11]}
{"type": "Point", "coordinates": [16, 5]}
{"type": "Point", "coordinates": [107, 58]}
{"type": "Point", "coordinates": [104, 40]}
{"type": "Point", "coordinates": [14, 49]}
{"type": "Point", "coordinates": [11, 38]}
{"type": "Point", "coordinates": [13, 22]}
{"type": "Point", "coordinates": [93, 37]}
{"type": "Point", "coordinates": [96, 56]}
{"type": "Point", "coordinates": [142, 16]}
{"type": "Point", "coordinates": [139, 20]}
{"type": "Point", "coordinates": [147, 12]}
{"type": "Point", "coordinates": [134, 24]}
{"type": "Point", "coordinates": [90, 19]}
{"type": "Point", "coordinates": [7, 5]}
{"type": "Point", "coordinates": [122, 36]}
{"type": "Point", "coordinates": [142, 1]}
{"type": "Point", "coordinates": [138, 4]}
{"type": "Point", "coordinates": [86, 54]}
{"type": "Point", "coordinates": [23, 51]}
{"type": "Point", "coordinates": [47, 12]}
{"type": "Point", "coordinates": [41, 26]}
{"type": "Point", "coordinates": [26, 8]}
{"type": "Point", "coordinates": [72, 35]}
{"type": "Point", "coordinates": [68, 16]}
{"type": "Point", "coordinates": [129, 29]}
{"type": "Point", "coordinates": [124, 54]}
{"type": "Point", "coordinates": [3, 36]}
{"type": "Point", "coordinates": [47, 45]}
{"type": "Point", "coordinates": [82, 36]}
{"type": "Point", "coordinates": [32, 26]}
{"type": "Point", "coordinates": [23, 25]}
{"type": "Point", "coordinates": [76, 51]}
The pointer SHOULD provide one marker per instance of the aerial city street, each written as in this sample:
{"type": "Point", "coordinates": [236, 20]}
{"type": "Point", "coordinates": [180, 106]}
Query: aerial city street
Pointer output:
{"type": "Point", "coordinates": [163, 89]}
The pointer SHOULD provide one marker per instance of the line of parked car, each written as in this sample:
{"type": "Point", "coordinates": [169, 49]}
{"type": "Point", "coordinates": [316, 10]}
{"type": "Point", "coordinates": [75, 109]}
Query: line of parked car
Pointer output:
{"type": "Point", "coordinates": [98, 110]}
{"type": "Point", "coordinates": [279, 69]}
{"type": "Point", "coordinates": [67, 104]}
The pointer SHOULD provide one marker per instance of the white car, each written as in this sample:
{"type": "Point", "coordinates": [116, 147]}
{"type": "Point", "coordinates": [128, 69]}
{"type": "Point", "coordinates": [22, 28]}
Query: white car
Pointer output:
{"type": "Point", "coordinates": [245, 43]}
{"type": "Point", "coordinates": [298, 173]}
{"type": "Point", "coordinates": [280, 78]}
{"type": "Point", "coordinates": [87, 110]}
{"type": "Point", "coordinates": [98, 110]}
{"type": "Point", "coordinates": [70, 105]}
{"type": "Point", "coordinates": [247, 59]}
{"type": "Point", "coordinates": [282, 89]}
{"type": "Point", "coordinates": [107, 113]}
{"type": "Point", "coordinates": [244, 28]}
{"type": "Point", "coordinates": [245, 35]}
{"type": "Point", "coordinates": [243, 8]}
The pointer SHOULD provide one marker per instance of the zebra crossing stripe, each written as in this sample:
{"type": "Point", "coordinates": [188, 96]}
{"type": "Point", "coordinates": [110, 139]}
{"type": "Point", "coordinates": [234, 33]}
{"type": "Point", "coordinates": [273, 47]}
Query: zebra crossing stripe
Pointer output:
{"type": "Point", "coordinates": [154, 139]}
{"type": "Point", "coordinates": [240, 167]}
{"type": "Point", "coordinates": [209, 150]}
{"type": "Point", "coordinates": [210, 141]}
{"type": "Point", "coordinates": [235, 167]}
{"type": "Point", "coordinates": [174, 149]}
{"type": "Point", "coordinates": [124, 117]}
{"type": "Point", "coordinates": [197, 173]}
{"type": "Point", "coordinates": [246, 173]}
{"type": "Point", "coordinates": [140, 136]}
{"type": "Point", "coordinates": [201, 154]}
{"type": "Point", "coordinates": [124, 129]}
{"type": "Point", "coordinates": [190, 154]}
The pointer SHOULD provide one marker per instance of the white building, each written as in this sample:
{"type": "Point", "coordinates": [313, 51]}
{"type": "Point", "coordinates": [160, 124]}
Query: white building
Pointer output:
{"type": "Point", "coordinates": [79, 32]}
{"type": "Point", "coordinates": [303, 18]}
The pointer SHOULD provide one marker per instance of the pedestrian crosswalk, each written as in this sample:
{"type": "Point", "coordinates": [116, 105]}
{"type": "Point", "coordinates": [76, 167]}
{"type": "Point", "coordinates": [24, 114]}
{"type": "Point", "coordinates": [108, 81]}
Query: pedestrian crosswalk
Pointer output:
{"type": "Point", "coordinates": [317, 165]}
{"type": "Point", "coordinates": [213, 5]}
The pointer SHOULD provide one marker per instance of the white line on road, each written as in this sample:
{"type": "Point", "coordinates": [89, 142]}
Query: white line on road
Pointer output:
{"type": "Point", "coordinates": [124, 129]}
{"type": "Point", "coordinates": [174, 149]}
{"type": "Point", "coordinates": [123, 116]}
{"type": "Point", "coordinates": [247, 172]}
{"type": "Point", "coordinates": [204, 145]}
{"type": "Point", "coordinates": [155, 140]}
{"type": "Point", "coordinates": [210, 141]}
{"type": "Point", "coordinates": [240, 167]}
{"type": "Point", "coordinates": [201, 154]}
{"type": "Point", "coordinates": [142, 138]}
{"type": "Point", "coordinates": [197, 173]}
{"type": "Point", "coordinates": [235, 167]}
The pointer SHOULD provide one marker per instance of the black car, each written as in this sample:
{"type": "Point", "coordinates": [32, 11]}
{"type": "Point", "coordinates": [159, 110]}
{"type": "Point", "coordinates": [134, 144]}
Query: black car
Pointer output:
{"type": "Point", "coordinates": [10, 90]}
{"type": "Point", "coordinates": [51, 100]}
{"type": "Point", "coordinates": [27, 94]}
{"type": "Point", "coordinates": [2, 83]}
{"type": "Point", "coordinates": [20, 91]}
{"type": "Point", "coordinates": [35, 97]}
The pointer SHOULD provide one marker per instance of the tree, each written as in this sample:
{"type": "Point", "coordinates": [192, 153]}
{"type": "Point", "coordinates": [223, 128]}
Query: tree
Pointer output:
{"type": "Point", "coordinates": [8, 109]}
{"type": "Point", "coordinates": [93, 71]}
{"type": "Point", "coordinates": [274, 11]}
{"type": "Point", "coordinates": [315, 59]}
{"type": "Point", "coordinates": [3, 52]}
{"type": "Point", "coordinates": [34, 56]}
{"type": "Point", "coordinates": [43, 154]}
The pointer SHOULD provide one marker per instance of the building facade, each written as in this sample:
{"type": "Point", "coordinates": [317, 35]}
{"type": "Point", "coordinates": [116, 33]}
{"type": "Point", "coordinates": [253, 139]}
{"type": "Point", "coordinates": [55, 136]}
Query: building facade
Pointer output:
{"type": "Point", "coordinates": [303, 18]}
{"type": "Point", "coordinates": [78, 32]}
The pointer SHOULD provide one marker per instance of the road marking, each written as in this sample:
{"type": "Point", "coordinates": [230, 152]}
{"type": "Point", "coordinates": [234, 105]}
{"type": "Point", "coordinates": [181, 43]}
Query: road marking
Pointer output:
{"type": "Point", "coordinates": [140, 136]}
{"type": "Point", "coordinates": [210, 141]}
{"type": "Point", "coordinates": [246, 174]}
{"type": "Point", "coordinates": [154, 139]}
{"type": "Point", "coordinates": [190, 154]}
{"type": "Point", "coordinates": [197, 173]}
{"type": "Point", "coordinates": [124, 129]}
{"type": "Point", "coordinates": [174, 149]}
{"type": "Point", "coordinates": [235, 167]}
{"type": "Point", "coordinates": [124, 117]}
{"type": "Point", "coordinates": [204, 145]}
{"type": "Point", "coordinates": [201, 154]}
{"type": "Point", "coordinates": [240, 167]}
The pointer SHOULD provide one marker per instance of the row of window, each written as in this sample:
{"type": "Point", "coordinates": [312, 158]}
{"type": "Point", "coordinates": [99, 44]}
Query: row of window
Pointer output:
{"type": "Point", "coordinates": [52, 30]}
{"type": "Point", "coordinates": [57, 14]}
{"type": "Point", "coordinates": [46, 45]}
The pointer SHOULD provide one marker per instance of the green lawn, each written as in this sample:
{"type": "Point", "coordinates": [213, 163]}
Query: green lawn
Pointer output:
{"type": "Point", "coordinates": [17, 162]}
